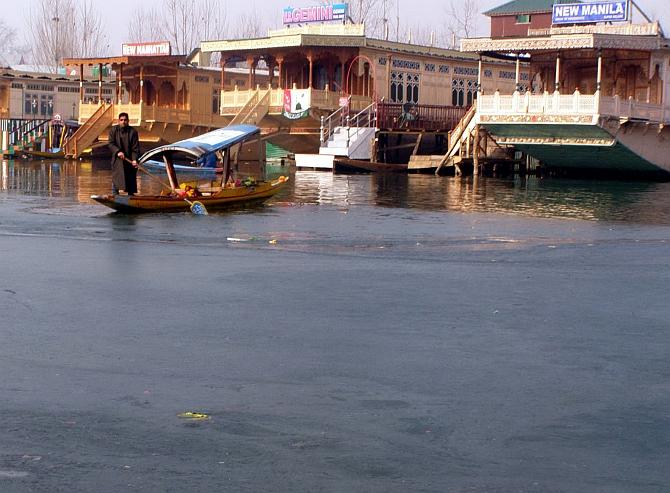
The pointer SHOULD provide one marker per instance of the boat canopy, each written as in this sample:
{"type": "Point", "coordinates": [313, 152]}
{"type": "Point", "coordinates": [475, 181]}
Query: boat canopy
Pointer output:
{"type": "Point", "coordinates": [201, 149]}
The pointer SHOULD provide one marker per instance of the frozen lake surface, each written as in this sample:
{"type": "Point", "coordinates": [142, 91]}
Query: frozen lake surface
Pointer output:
{"type": "Point", "coordinates": [360, 333]}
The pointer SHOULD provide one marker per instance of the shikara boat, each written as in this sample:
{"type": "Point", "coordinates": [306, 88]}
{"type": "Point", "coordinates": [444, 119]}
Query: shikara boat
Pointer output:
{"type": "Point", "coordinates": [221, 198]}
{"type": "Point", "coordinates": [219, 149]}
{"type": "Point", "coordinates": [199, 154]}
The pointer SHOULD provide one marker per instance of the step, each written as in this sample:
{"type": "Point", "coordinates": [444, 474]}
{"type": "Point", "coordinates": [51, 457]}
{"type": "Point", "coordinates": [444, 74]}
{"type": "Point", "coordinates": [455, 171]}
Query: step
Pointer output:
{"type": "Point", "coordinates": [314, 161]}
{"type": "Point", "coordinates": [424, 162]}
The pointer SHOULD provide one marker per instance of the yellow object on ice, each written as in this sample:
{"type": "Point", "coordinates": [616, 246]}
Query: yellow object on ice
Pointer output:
{"type": "Point", "coordinates": [192, 415]}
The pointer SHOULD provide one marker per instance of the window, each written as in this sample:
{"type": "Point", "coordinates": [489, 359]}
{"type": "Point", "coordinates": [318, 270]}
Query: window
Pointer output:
{"type": "Point", "coordinates": [215, 101]}
{"type": "Point", "coordinates": [463, 92]}
{"type": "Point", "coordinates": [523, 19]}
{"type": "Point", "coordinates": [405, 87]}
{"type": "Point", "coordinates": [28, 107]}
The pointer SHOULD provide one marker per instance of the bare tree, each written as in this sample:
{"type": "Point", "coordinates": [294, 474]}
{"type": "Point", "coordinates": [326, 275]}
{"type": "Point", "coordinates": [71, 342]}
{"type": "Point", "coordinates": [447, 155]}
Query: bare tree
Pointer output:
{"type": "Point", "coordinates": [64, 28]}
{"type": "Point", "coordinates": [367, 12]}
{"type": "Point", "coordinates": [461, 20]}
{"type": "Point", "coordinates": [8, 48]}
{"type": "Point", "coordinates": [250, 25]}
{"type": "Point", "coordinates": [184, 23]}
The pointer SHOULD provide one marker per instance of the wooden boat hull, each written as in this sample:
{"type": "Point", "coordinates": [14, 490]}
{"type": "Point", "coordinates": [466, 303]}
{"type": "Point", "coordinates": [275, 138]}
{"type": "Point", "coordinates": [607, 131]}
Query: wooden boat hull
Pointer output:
{"type": "Point", "coordinates": [224, 199]}
{"type": "Point", "coordinates": [45, 155]}
{"type": "Point", "coordinates": [345, 165]}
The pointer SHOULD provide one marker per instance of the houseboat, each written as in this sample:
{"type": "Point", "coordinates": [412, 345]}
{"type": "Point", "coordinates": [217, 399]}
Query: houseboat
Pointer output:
{"type": "Point", "coordinates": [168, 97]}
{"type": "Point", "coordinates": [288, 82]}
{"type": "Point", "coordinates": [318, 69]}
{"type": "Point", "coordinates": [39, 109]}
{"type": "Point", "coordinates": [598, 94]}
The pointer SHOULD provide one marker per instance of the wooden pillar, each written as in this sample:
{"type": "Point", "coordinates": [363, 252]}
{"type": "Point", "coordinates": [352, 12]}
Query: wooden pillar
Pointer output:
{"type": "Point", "coordinates": [517, 74]}
{"type": "Point", "coordinates": [99, 83]}
{"type": "Point", "coordinates": [250, 63]}
{"type": "Point", "coordinates": [223, 73]}
{"type": "Point", "coordinates": [599, 77]}
{"type": "Point", "coordinates": [176, 86]}
{"type": "Point", "coordinates": [280, 62]}
{"type": "Point", "coordinates": [119, 82]}
{"type": "Point", "coordinates": [81, 84]}
{"type": "Point", "coordinates": [141, 84]}
{"type": "Point", "coordinates": [310, 59]}
{"type": "Point", "coordinates": [343, 85]}
{"type": "Point", "coordinates": [557, 80]}
{"type": "Point", "coordinates": [475, 156]}
{"type": "Point", "coordinates": [479, 75]}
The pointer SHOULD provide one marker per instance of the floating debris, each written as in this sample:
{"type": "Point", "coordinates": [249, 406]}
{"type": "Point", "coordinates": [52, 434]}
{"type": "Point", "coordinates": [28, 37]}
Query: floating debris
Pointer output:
{"type": "Point", "coordinates": [190, 415]}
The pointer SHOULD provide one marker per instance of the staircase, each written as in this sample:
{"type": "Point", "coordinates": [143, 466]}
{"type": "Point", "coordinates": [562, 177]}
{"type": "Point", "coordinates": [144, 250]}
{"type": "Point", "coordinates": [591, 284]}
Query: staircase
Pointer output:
{"type": "Point", "coordinates": [254, 110]}
{"type": "Point", "coordinates": [459, 139]}
{"type": "Point", "coordinates": [25, 135]}
{"type": "Point", "coordinates": [89, 132]}
{"type": "Point", "coordinates": [352, 137]}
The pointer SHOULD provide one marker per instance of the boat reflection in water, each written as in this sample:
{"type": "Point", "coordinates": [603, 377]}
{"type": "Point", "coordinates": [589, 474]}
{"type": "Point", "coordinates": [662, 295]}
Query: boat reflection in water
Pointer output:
{"type": "Point", "coordinates": [530, 195]}
{"type": "Point", "coordinates": [645, 202]}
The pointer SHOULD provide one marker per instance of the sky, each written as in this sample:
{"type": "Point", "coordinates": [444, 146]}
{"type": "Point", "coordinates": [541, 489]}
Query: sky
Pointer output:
{"type": "Point", "coordinates": [412, 12]}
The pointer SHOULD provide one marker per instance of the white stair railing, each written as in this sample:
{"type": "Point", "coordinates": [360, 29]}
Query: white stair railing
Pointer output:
{"type": "Point", "coordinates": [332, 121]}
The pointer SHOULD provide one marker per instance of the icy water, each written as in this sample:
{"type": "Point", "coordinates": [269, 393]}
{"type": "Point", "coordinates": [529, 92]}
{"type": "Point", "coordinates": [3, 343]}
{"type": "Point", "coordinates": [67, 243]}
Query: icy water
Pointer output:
{"type": "Point", "coordinates": [370, 333]}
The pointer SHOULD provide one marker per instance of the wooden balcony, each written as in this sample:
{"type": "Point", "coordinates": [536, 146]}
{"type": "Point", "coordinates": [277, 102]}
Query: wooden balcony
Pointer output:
{"type": "Point", "coordinates": [233, 101]}
{"type": "Point", "coordinates": [140, 114]}
{"type": "Point", "coordinates": [567, 108]}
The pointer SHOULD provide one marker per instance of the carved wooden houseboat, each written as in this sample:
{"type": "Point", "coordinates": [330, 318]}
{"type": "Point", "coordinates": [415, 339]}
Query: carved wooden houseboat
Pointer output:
{"type": "Point", "coordinates": [598, 97]}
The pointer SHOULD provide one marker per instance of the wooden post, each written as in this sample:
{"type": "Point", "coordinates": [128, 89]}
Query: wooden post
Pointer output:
{"type": "Point", "coordinates": [479, 76]}
{"type": "Point", "coordinates": [475, 157]}
{"type": "Point", "coordinates": [176, 86]}
{"type": "Point", "coordinates": [119, 82]}
{"type": "Point", "coordinates": [141, 84]}
{"type": "Point", "coordinates": [280, 62]}
{"type": "Point", "coordinates": [599, 77]}
{"type": "Point", "coordinates": [517, 74]}
{"type": "Point", "coordinates": [557, 79]}
{"type": "Point", "coordinates": [99, 83]}
{"type": "Point", "coordinates": [223, 73]}
{"type": "Point", "coordinates": [81, 84]}
{"type": "Point", "coordinates": [310, 59]}
{"type": "Point", "coordinates": [250, 62]}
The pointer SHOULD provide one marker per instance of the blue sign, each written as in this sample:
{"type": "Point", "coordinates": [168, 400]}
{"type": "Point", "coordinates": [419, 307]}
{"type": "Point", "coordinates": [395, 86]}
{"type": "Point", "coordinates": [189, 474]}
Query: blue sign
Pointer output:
{"type": "Point", "coordinates": [586, 13]}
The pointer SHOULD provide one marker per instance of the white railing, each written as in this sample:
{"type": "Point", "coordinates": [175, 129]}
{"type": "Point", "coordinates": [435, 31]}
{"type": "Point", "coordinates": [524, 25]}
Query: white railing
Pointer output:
{"type": "Point", "coordinates": [332, 121]}
{"type": "Point", "coordinates": [570, 105]}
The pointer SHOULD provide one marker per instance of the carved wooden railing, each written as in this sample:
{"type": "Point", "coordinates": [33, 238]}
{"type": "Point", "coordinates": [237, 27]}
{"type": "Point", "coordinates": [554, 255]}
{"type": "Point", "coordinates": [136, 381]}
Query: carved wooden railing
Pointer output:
{"type": "Point", "coordinates": [571, 105]}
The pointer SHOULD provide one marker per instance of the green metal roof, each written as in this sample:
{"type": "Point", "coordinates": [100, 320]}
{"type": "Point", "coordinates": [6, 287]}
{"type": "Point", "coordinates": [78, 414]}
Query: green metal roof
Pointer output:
{"type": "Point", "coordinates": [526, 7]}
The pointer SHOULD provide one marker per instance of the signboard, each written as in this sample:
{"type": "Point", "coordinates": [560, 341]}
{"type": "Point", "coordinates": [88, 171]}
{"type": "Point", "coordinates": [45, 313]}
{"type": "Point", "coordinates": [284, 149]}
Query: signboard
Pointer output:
{"type": "Point", "coordinates": [296, 103]}
{"type": "Point", "coordinates": [156, 48]}
{"type": "Point", "coordinates": [586, 13]}
{"type": "Point", "coordinates": [320, 13]}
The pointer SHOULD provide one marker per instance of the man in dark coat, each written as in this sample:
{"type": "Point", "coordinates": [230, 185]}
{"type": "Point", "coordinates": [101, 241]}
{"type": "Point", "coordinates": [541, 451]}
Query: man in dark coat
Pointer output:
{"type": "Point", "coordinates": [125, 146]}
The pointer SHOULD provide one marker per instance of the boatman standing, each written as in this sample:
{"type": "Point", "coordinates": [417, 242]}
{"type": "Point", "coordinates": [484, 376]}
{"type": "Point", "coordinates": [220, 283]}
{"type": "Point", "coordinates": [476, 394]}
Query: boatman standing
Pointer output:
{"type": "Point", "coordinates": [125, 146]}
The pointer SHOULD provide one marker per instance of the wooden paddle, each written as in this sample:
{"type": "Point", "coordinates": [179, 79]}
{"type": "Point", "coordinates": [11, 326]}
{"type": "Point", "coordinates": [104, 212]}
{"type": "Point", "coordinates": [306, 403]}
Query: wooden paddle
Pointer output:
{"type": "Point", "coordinates": [196, 206]}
